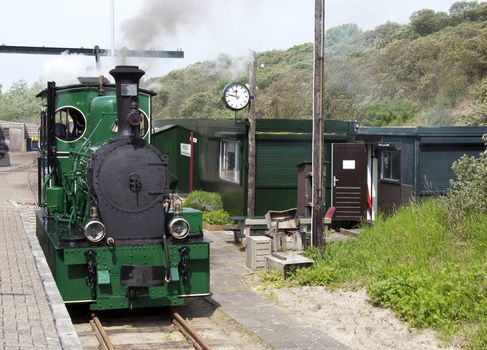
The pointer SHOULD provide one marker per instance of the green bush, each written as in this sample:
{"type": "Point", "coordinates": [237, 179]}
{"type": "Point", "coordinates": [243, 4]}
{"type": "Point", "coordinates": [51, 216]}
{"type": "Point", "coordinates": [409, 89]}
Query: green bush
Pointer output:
{"type": "Point", "coordinates": [204, 201]}
{"type": "Point", "coordinates": [439, 298]}
{"type": "Point", "coordinates": [217, 217]}
{"type": "Point", "coordinates": [468, 191]}
{"type": "Point", "coordinates": [389, 113]}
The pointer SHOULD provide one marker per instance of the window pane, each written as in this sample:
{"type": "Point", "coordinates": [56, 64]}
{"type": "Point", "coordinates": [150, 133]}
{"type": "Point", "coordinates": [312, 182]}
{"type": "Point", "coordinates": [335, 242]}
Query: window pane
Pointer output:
{"type": "Point", "coordinates": [391, 165]}
{"type": "Point", "coordinates": [229, 161]}
{"type": "Point", "coordinates": [386, 165]}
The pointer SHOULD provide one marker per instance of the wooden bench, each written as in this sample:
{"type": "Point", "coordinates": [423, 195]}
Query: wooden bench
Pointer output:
{"type": "Point", "coordinates": [246, 225]}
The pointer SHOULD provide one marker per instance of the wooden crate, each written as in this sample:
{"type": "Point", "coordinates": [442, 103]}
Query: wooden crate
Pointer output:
{"type": "Point", "coordinates": [257, 248]}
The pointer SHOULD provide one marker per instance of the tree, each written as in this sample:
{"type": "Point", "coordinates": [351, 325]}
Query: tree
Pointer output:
{"type": "Point", "coordinates": [428, 21]}
{"type": "Point", "coordinates": [341, 33]}
{"type": "Point", "coordinates": [479, 14]}
{"type": "Point", "coordinates": [464, 11]}
{"type": "Point", "coordinates": [202, 104]}
{"type": "Point", "coordinates": [20, 102]}
{"type": "Point", "coordinates": [389, 113]}
{"type": "Point", "coordinates": [382, 35]}
{"type": "Point", "coordinates": [340, 104]}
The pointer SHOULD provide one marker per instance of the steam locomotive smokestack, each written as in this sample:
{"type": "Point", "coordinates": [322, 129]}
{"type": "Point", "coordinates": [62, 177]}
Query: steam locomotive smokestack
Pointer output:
{"type": "Point", "coordinates": [127, 85]}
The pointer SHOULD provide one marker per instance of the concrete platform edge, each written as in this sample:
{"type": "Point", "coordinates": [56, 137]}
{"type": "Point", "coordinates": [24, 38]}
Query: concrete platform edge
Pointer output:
{"type": "Point", "coordinates": [64, 326]}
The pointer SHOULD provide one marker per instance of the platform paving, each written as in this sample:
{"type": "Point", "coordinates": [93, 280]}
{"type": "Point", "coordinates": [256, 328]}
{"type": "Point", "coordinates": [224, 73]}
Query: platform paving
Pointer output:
{"type": "Point", "coordinates": [266, 320]}
{"type": "Point", "coordinates": [32, 313]}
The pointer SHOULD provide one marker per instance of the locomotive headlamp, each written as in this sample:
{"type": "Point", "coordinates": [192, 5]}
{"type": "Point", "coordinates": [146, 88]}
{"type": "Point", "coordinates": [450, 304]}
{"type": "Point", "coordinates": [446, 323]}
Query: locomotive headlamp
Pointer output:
{"type": "Point", "coordinates": [134, 117]}
{"type": "Point", "coordinates": [179, 228]}
{"type": "Point", "coordinates": [94, 231]}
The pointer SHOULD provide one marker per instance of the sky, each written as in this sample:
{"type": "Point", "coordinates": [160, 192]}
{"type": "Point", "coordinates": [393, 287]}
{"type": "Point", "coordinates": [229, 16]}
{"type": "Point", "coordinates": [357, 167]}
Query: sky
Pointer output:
{"type": "Point", "coordinates": [202, 29]}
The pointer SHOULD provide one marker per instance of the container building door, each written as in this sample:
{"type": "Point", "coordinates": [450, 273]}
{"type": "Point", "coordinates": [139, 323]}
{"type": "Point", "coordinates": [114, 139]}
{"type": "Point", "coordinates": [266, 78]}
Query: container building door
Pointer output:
{"type": "Point", "coordinates": [348, 181]}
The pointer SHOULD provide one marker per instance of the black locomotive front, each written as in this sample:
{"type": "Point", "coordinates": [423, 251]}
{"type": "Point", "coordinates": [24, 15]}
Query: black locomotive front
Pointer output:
{"type": "Point", "coordinates": [129, 179]}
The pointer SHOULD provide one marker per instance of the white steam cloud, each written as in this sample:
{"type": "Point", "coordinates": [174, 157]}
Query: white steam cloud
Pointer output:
{"type": "Point", "coordinates": [160, 23]}
{"type": "Point", "coordinates": [160, 19]}
{"type": "Point", "coordinates": [66, 68]}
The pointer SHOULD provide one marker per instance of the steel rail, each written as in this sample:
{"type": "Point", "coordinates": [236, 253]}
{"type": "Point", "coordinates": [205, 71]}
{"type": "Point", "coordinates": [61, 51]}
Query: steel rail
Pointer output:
{"type": "Point", "coordinates": [100, 333]}
{"type": "Point", "coordinates": [190, 334]}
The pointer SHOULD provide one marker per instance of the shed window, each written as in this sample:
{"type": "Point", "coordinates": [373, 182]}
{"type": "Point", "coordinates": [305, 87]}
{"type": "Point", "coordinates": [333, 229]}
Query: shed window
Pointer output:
{"type": "Point", "coordinates": [230, 161]}
{"type": "Point", "coordinates": [391, 165]}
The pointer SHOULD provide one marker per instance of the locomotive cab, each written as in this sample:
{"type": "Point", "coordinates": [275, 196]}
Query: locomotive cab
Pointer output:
{"type": "Point", "coordinates": [113, 233]}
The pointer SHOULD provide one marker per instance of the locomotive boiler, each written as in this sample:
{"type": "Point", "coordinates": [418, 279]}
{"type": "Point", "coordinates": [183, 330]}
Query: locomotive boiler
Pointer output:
{"type": "Point", "coordinates": [113, 233]}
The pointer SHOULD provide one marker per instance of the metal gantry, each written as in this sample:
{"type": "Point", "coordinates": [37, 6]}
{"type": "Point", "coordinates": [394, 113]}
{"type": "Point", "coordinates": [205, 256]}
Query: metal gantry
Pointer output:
{"type": "Point", "coordinates": [96, 51]}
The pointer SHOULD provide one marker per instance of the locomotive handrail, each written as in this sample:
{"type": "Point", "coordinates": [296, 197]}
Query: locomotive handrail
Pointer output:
{"type": "Point", "coordinates": [167, 278]}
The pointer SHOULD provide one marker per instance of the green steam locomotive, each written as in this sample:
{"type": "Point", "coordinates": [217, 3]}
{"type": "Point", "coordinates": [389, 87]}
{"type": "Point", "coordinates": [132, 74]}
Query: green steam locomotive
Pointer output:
{"type": "Point", "coordinates": [113, 232]}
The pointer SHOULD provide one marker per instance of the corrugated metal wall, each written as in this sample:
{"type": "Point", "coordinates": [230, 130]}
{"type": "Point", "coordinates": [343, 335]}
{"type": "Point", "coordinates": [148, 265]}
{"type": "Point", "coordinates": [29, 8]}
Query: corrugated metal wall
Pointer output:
{"type": "Point", "coordinates": [277, 162]}
{"type": "Point", "coordinates": [435, 166]}
{"type": "Point", "coordinates": [276, 173]}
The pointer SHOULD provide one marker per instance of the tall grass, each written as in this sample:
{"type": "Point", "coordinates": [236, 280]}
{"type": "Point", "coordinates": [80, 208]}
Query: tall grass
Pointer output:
{"type": "Point", "coordinates": [417, 265]}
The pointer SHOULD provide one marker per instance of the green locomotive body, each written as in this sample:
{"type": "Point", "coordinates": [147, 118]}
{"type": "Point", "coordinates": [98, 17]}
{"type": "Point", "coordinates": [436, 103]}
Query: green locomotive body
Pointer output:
{"type": "Point", "coordinates": [113, 233]}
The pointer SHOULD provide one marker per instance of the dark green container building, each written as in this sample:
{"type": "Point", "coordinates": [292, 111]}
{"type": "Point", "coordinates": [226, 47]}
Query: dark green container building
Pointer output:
{"type": "Point", "coordinates": [414, 162]}
{"type": "Point", "coordinates": [220, 157]}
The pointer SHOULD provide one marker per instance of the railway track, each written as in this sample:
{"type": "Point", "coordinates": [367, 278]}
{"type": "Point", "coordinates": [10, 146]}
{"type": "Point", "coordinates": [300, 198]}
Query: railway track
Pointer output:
{"type": "Point", "coordinates": [166, 337]}
{"type": "Point", "coordinates": [184, 327]}
{"type": "Point", "coordinates": [153, 328]}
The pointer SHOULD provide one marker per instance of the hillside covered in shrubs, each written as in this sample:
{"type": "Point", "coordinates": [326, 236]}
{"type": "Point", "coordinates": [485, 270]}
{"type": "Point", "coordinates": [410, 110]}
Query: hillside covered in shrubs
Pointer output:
{"type": "Point", "coordinates": [430, 71]}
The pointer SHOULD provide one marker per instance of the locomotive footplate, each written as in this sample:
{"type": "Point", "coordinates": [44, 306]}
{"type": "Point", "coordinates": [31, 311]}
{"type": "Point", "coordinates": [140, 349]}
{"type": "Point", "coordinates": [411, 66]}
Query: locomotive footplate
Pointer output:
{"type": "Point", "coordinates": [142, 275]}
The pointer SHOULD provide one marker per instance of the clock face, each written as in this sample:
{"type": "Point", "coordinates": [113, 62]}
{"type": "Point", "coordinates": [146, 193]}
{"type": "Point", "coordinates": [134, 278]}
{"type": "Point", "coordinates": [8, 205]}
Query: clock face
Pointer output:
{"type": "Point", "coordinates": [236, 96]}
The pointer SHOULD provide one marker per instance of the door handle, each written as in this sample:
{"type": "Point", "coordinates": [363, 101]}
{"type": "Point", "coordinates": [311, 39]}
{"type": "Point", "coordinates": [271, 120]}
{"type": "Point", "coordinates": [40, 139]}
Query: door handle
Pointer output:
{"type": "Point", "coordinates": [335, 180]}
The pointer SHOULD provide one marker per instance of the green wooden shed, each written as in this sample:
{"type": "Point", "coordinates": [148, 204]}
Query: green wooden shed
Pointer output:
{"type": "Point", "coordinates": [220, 157]}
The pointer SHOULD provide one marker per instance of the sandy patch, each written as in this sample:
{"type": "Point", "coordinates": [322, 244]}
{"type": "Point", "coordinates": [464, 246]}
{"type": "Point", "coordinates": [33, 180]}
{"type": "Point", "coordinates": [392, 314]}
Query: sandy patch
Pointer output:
{"type": "Point", "coordinates": [349, 317]}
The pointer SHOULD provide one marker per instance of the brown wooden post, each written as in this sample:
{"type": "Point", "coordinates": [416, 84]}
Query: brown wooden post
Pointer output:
{"type": "Point", "coordinates": [318, 159]}
{"type": "Point", "coordinates": [251, 136]}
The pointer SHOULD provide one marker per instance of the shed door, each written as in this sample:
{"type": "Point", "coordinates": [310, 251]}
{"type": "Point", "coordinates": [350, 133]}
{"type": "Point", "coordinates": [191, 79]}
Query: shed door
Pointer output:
{"type": "Point", "coordinates": [348, 181]}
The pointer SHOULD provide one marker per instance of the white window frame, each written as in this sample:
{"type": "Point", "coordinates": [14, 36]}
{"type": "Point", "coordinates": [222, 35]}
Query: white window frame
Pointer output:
{"type": "Point", "coordinates": [226, 172]}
